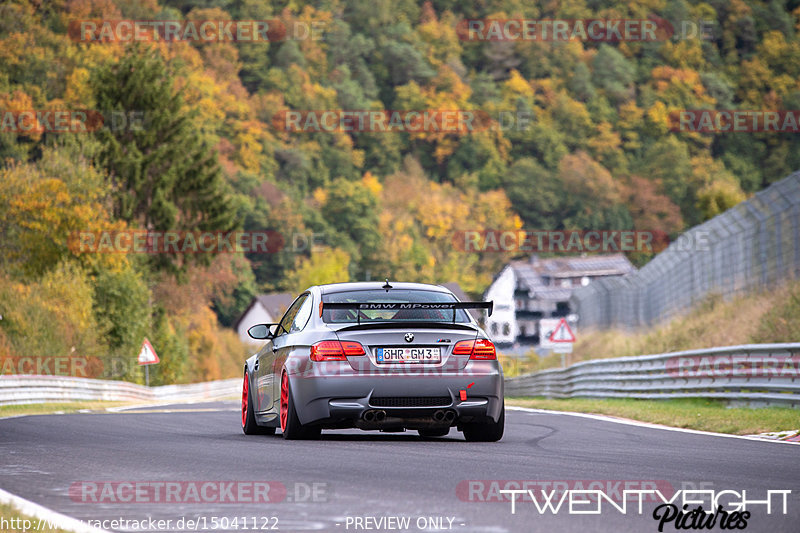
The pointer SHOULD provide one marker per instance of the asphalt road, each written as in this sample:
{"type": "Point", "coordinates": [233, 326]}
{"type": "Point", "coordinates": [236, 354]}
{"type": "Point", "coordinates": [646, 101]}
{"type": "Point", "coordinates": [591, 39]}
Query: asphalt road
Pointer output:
{"type": "Point", "coordinates": [359, 478]}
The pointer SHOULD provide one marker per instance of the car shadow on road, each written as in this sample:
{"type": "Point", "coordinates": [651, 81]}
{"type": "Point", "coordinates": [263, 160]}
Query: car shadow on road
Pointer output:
{"type": "Point", "coordinates": [341, 436]}
{"type": "Point", "coordinates": [384, 437]}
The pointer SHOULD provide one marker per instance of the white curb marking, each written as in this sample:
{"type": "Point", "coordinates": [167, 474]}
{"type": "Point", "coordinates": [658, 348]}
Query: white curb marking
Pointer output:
{"type": "Point", "coordinates": [48, 516]}
{"type": "Point", "coordinates": [604, 418]}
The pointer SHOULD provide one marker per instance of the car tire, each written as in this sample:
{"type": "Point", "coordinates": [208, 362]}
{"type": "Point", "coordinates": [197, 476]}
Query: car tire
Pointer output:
{"type": "Point", "coordinates": [487, 431]}
{"type": "Point", "coordinates": [437, 432]}
{"type": "Point", "coordinates": [249, 424]}
{"type": "Point", "coordinates": [291, 427]}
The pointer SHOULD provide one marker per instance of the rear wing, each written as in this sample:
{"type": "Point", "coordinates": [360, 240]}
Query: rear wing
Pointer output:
{"type": "Point", "coordinates": [378, 306]}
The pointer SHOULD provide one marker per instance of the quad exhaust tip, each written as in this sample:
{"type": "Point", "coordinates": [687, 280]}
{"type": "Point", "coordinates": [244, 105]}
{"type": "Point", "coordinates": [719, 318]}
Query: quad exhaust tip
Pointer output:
{"type": "Point", "coordinates": [444, 416]}
{"type": "Point", "coordinates": [374, 415]}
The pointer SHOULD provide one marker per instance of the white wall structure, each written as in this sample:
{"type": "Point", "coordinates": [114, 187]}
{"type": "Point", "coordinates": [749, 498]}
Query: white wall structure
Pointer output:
{"type": "Point", "coordinates": [502, 325]}
{"type": "Point", "coordinates": [255, 314]}
{"type": "Point", "coordinates": [263, 309]}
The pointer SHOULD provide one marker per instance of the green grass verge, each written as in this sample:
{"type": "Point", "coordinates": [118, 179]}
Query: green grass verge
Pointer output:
{"type": "Point", "coordinates": [57, 407]}
{"type": "Point", "coordinates": [75, 407]}
{"type": "Point", "coordinates": [12, 521]}
{"type": "Point", "coordinates": [695, 413]}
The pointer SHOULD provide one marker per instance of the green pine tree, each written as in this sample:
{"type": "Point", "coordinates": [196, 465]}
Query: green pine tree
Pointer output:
{"type": "Point", "coordinates": [163, 175]}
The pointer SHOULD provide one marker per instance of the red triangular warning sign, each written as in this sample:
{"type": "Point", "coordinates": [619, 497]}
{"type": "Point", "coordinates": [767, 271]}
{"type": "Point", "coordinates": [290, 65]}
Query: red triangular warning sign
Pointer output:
{"type": "Point", "coordinates": [562, 333]}
{"type": "Point", "coordinates": [147, 355]}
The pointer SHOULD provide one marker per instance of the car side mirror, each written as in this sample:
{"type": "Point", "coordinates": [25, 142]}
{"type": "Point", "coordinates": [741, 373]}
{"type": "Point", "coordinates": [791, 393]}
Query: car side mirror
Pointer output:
{"type": "Point", "coordinates": [261, 331]}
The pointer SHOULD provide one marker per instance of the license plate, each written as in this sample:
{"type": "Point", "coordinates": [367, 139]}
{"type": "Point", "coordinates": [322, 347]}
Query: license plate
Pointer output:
{"type": "Point", "coordinates": [408, 355]}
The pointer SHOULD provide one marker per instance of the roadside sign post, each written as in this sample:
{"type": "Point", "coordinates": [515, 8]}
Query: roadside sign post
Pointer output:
{"type": "Point", "coordinates": [561, 339]}
{"type": "Point", "coordinates": [147, 357]}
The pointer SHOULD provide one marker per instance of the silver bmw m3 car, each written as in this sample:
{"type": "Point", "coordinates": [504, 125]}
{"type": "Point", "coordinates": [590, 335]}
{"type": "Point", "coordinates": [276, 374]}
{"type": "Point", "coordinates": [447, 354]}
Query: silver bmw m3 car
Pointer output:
{"type": "Point", "coordinates": [375, 356]}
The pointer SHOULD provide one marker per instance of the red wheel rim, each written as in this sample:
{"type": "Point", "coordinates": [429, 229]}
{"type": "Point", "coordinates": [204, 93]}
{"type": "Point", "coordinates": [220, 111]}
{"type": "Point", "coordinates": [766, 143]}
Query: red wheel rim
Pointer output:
{"type": "Point", "coordinates": [284, 400]}
{"type": "Point", "coordinates": [245, 391]}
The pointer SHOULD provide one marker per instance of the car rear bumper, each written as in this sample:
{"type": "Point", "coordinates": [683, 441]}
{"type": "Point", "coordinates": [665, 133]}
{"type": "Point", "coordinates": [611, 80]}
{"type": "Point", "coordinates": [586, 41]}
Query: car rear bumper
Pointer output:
{"type": "Point", "coordinates": [336, 396]}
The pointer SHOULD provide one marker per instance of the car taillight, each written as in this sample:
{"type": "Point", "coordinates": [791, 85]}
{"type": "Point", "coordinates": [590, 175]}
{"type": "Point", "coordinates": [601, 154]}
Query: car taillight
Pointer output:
{"type": "Point", "coordinates": [463, 348]}
{"type": "Point", "coordinates": [353, 348]}
{"type": "Point", "coordinates": [481, 349]}
{"type": "Point", "coordinates": [484, 349]}
{"type": "Point", "coordinates": [335, 350]}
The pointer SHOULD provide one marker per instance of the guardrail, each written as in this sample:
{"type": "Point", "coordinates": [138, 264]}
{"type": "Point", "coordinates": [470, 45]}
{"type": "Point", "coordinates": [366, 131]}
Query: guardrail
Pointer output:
{"type": "Point", "coordinates": [752, 374]}
{"type": "Point", "coordinates": [23, 389]}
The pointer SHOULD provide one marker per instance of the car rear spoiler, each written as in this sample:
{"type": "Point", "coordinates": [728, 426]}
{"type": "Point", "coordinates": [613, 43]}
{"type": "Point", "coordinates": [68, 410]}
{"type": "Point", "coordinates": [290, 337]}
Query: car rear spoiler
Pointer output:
{"type": "Point", "coordinates": [380, 306]}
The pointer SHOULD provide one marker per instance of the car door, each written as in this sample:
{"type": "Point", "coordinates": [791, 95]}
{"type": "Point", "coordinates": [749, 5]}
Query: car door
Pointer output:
{"type": "Point", "coordinates": [264, 364]}
{"type": "Point", "coordinates": [263, 379]}
{"type": "Point", "coordinates": [263, 375]}
{"type": "Point", "coordinates": [273, 357]}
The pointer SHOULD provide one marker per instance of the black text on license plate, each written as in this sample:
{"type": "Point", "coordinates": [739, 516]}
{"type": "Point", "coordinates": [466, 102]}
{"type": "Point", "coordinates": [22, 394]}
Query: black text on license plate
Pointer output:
{"type": "Point", "coordinates": [408, 355]}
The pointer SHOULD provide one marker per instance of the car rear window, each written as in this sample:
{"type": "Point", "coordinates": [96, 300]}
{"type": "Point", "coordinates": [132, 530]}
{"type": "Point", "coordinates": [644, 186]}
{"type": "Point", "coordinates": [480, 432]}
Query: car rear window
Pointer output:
{"type": "Point", "coordinates": [340, 316]}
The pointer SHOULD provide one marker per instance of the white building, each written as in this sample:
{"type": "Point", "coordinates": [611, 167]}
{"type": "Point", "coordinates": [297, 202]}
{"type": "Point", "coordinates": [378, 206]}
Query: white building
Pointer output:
{"type": "Point", "coordinates": [263, 309]}
{"type": "Point", "coordinates": [526, 291]}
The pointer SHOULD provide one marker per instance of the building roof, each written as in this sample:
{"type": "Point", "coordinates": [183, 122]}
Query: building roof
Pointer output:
{"type": "Point", "coordinates": [531, 274]}
{"type": "Point", "coordinates": [456, 289]}
{"type": "Point", "coordinates": [275, 303]}
{"type": "Point", "coordinates": [554, 294]}
{"type": "Point", "coordinates": [597, 265]}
